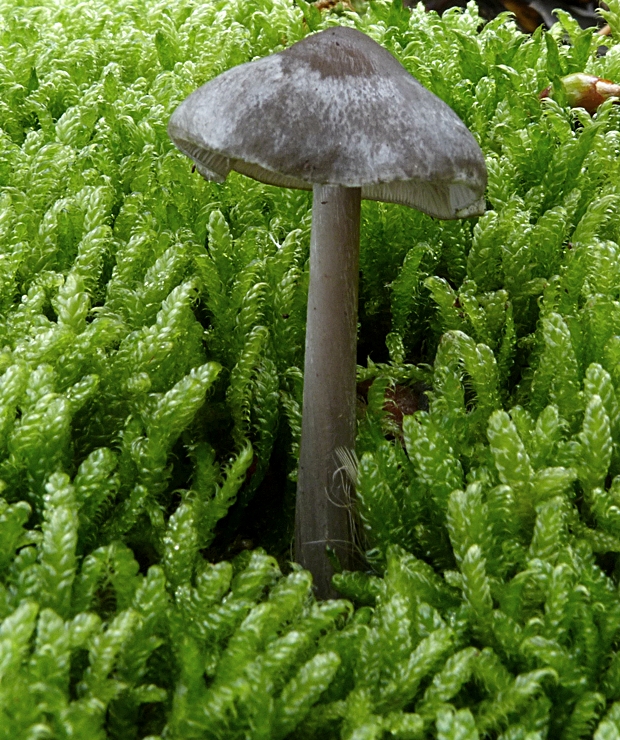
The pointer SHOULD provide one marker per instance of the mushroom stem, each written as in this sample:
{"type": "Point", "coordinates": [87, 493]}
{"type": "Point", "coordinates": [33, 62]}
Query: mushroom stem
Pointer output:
{"type": "Point", "coordinates": [328, 422]}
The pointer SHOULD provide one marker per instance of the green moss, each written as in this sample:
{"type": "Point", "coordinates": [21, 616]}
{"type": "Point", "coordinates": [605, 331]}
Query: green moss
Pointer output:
{"type": "Point", "coordinates": [152, 327]}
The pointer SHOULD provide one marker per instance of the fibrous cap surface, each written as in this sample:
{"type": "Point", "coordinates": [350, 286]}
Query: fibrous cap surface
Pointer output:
{"type": "Point", "coordinates": [334, 109]}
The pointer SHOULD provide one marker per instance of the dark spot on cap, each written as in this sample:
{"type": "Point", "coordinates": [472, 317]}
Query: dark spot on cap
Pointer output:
{"type": "Point", "coordinates": [339, 58]}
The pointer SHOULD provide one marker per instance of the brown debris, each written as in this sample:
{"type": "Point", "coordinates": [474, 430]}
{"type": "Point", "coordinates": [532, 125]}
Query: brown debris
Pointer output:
{"type": "Point", "coordinates": [526, 16]}
{"type": "Point", "coordinates": [331, 4]}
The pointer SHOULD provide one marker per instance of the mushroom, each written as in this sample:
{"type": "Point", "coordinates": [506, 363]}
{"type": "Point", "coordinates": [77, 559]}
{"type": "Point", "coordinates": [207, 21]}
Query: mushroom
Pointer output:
{"type": "Point", "coordinates": [338, 114]}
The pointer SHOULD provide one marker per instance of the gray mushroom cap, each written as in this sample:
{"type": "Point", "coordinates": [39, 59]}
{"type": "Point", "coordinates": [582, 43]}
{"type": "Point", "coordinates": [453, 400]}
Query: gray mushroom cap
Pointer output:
{"type": "Point", "coordinates": [334, 109]}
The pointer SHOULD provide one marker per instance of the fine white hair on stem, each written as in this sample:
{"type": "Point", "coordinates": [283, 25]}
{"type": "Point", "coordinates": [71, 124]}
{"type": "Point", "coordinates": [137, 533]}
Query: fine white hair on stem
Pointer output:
{"type": "Point", "coordinates": [348, 463]}
{"type": "Point", "coordinates": [348, 467]}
